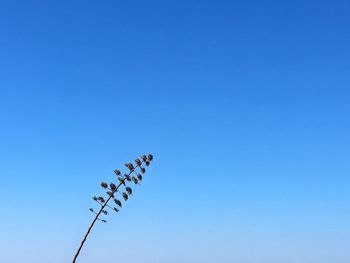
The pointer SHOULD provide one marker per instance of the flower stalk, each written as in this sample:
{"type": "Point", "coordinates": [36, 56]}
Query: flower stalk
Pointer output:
{"type": "Point", "coordinates": [112, 192]}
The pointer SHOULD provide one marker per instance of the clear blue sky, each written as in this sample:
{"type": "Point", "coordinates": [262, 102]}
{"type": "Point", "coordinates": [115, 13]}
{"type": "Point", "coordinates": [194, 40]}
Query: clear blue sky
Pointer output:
{"type": "Point", "coordinates": [244, 104]}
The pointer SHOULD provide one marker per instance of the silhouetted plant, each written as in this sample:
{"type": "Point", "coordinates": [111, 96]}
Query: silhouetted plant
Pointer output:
{"type": "Point", "coordinates": [113, 190]}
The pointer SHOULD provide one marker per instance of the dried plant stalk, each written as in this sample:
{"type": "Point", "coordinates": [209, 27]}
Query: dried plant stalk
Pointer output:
{"type": "Point", "coordinates": [132, 176]}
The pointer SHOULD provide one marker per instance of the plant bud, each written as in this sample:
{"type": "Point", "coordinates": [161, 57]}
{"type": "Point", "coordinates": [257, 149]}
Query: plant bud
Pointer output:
{"type": "Point", "coordinates": [130, 166]}
{"type": "Point", "coordinates": [125, 196]}
{"type": "Point", "coordinates": [110, 193]}
{"type": "Point", "coordinates": [138, 162]}
{"type": "Point", "coordinates": [135, 180]}
{"type": "Point", "coordinates": [129, 190]}
{"type": "Point", "coordinates": [127, 177]}
{"type": "Point", "coordinates": [121, 180]}
{"type": "Point", "coordinates": [113, 187]}
{"type": "Point", "coordinates": [118, 203]}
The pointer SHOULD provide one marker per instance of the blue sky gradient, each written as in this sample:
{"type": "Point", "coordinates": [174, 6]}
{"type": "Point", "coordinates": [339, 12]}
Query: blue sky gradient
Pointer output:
{"type": "Point", "coordinates": [244, 104]}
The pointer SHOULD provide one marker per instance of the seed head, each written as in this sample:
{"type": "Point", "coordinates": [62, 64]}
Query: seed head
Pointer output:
{"type": "Point", "coordinates": [112, 188]}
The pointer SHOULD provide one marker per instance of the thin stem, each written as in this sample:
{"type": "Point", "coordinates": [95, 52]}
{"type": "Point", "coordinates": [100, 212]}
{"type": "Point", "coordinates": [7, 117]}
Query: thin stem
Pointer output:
{"type": "Point", "coordinates": [96, 218]}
